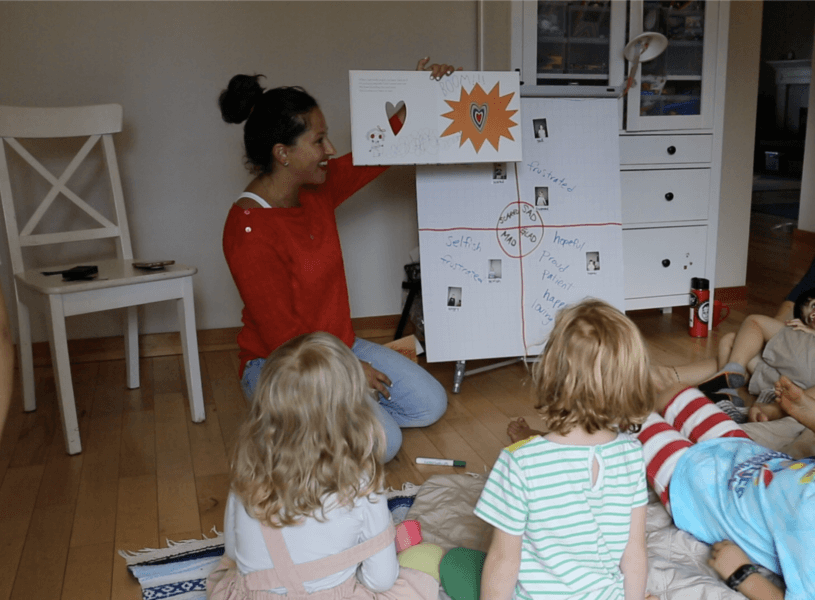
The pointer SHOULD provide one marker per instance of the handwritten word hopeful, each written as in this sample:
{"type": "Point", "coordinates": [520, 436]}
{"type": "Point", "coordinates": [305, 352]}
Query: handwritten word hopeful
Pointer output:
{"type": "Point", "coordinates": [561, 182]}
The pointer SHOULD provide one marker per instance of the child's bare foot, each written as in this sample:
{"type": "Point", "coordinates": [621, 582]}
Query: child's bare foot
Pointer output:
{"type": "Point", "coordinates": [796, 402]}
{"type": "Point", "coordinates": [518, 430]}
{"type": "Point", "coordinates": [761, 412]}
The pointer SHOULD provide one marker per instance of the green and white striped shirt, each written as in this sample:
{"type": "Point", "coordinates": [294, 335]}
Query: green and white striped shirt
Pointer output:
{"type": "Point", "coordinates": [574, 534]}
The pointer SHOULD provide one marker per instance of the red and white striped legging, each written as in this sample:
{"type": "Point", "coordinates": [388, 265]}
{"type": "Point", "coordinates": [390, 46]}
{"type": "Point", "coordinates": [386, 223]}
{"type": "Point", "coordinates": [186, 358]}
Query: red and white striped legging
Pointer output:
{"type": "Point", "coordinates": [689, 418]}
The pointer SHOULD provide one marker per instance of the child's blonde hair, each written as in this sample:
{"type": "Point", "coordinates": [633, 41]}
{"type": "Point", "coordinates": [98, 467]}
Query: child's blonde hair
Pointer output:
{"type": "Point", "coordinates": [593, 372]}
{"type": "Point", "coordinates": [311, 431]}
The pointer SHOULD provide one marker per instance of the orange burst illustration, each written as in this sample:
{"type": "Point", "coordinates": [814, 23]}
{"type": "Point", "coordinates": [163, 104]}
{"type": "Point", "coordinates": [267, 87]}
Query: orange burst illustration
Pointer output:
{"type": "Point", "coordinates": [480, 117]}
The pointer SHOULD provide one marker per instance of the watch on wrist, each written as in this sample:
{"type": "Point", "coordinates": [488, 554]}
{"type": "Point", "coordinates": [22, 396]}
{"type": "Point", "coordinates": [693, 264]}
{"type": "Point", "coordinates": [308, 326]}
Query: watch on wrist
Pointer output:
{"type": "Point", "coordinates": [739, 575]}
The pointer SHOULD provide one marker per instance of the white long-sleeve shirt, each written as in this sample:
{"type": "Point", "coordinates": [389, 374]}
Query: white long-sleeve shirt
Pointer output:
{"type": "Point", "coordinates": [343, 528]}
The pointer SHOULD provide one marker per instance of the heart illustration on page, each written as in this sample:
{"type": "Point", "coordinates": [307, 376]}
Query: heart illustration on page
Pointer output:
{"type": "Point", "coordinates": [391, 109]}
{"type": "Point", "coordinates": [478, 113]}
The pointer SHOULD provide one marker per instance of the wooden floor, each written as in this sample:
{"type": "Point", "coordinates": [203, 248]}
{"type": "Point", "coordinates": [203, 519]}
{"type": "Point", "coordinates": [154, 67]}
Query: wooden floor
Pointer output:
{"type": "Point", "coordinates": [148, 474]}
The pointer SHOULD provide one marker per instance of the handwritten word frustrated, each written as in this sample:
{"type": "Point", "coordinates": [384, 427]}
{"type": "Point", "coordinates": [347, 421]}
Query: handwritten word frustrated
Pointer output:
{"type": "Point", "coordinates": [568, 242]}
{"type": "Point", "coordinates": [534, 167]}
{"type": "Point", "coordinates": [459, 268]}
{"type": "Point", "coordinates": [547, 257]}
{"type": "Point", "coordinates": [465, 242]}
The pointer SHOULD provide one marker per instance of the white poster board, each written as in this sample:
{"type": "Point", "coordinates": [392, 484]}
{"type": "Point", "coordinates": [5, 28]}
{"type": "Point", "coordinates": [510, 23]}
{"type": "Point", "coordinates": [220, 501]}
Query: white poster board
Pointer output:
{"type": "Point", "coordinates": [505, 245]}
{"type": "Point", "coordinates": [469, 116]}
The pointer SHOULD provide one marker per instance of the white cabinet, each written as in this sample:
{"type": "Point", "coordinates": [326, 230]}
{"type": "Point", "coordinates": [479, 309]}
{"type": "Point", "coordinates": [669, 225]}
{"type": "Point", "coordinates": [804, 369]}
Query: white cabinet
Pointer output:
{"type": "Point", "coordinates": [671, 123]}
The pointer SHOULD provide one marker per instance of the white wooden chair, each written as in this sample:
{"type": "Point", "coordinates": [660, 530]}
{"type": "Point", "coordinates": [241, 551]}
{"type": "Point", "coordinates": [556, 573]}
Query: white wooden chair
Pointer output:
{"type": "Point", "coordinates": [119, 284]}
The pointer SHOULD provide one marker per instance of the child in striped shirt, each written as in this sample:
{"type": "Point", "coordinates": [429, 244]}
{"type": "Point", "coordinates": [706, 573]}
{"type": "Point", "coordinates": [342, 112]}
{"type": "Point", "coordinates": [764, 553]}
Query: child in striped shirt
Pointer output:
{"type": "Point", "coordinates": [568, 507]}
{"type": "Point", "coordinates": [755, 506]}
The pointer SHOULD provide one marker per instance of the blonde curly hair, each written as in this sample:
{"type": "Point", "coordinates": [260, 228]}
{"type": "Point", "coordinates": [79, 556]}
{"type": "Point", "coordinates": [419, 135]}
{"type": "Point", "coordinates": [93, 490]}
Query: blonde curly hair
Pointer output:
{"type": "Point", "coordinates": [593, 372]}
{"type": "Point", "coordinates": [311, 432]}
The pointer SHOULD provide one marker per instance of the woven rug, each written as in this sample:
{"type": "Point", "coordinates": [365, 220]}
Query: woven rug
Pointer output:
{"type": "Point", "coordinates": [179, 572]}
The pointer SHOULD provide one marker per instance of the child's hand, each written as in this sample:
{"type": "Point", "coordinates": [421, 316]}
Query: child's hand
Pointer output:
{"type": "Point", "coordinates": [377, 380]}
{"type": "Point", "coordinates": [799, 325]}
{"type": "Point", "coordinates": [726, 557]}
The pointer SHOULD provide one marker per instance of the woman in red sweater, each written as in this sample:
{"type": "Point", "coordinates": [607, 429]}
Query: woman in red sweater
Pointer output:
{"type": "Point", "coordinates": [283, 249]}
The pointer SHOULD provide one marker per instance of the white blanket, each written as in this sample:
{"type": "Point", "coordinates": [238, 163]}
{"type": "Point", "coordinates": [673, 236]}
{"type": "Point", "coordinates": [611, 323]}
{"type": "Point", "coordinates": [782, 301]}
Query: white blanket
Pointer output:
{"type": "Point", "coordinates": [677, 568]}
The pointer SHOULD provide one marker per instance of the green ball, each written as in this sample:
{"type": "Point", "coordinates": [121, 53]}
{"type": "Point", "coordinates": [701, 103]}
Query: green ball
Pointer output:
{"type": "Point", "coordinates": [460, 573]}
{"type": "Point", "coordinates": [422, 557]}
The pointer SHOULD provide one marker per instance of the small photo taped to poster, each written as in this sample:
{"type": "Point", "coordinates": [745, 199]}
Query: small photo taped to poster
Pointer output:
{"type": "Point", "coordinates": [541, 197]}
{"type": "Point", "coordinates": [592, 261]}
{"type": "Point", "coordinates": [454, 297]}
{"type": "Point", "coordinates": [494, 272]}
{"type": "Point", "coordinates": [499, 172]}
{"type": "Point", "coordinates": [541, 129]}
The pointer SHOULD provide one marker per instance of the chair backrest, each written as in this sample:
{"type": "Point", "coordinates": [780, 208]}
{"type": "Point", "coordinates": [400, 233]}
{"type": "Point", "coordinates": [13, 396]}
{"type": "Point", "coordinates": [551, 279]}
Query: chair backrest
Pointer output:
{"type": "Point", "coordinates": [97, 123]}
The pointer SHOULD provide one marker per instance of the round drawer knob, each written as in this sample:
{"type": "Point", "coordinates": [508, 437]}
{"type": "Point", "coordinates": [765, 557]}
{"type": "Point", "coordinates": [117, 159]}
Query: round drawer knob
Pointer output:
{"type": "Point", "coordinates": [666, 263]}
{"type": "Point", "coordinates": [671, 150]}
{"type": "Point", "coordinates": [669, 196]}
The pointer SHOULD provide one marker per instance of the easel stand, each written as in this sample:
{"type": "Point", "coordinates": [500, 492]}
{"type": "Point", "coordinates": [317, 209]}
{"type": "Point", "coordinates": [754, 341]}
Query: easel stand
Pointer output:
{"type": "Point", "coordinates": [460, 373]}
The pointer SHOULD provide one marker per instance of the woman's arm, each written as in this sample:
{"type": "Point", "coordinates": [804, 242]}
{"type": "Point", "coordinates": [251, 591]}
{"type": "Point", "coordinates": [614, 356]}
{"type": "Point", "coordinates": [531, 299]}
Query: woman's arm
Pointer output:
{"type": "Point", "coordinates": [634, 563]}
{"type": "Point", "coordinates": [6, 363]}
{"type": "Point", "coordinates": [726, 557]}
{"type": "Point", "coordinates": [501, 567]}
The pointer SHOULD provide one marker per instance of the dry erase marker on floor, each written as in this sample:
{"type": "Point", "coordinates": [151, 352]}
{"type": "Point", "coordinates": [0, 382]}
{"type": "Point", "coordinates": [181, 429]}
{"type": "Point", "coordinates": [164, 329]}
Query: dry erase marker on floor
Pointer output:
{"type": "Point", "coordinates": [444, 462]}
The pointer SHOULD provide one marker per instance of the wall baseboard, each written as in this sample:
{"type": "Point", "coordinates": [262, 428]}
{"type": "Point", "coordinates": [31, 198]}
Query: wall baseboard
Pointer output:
{"type": "Point", "coordinates": [376, 329]}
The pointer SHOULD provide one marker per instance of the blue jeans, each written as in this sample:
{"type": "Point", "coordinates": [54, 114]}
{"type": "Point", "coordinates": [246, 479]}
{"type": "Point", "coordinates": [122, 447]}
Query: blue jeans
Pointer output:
{"type": "Point", "coordinates": [417, 398]}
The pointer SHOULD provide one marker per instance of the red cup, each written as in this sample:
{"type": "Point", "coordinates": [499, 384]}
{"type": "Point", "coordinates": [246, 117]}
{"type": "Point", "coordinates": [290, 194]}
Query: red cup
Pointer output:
{"type": "Point", "coordinates": [720, 312]}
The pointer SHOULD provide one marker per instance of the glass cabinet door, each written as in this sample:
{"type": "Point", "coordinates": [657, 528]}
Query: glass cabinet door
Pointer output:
{"type": "Point", "coordinates": [674, 90]}
{"type": "Point", "coordinates": [572, 43]}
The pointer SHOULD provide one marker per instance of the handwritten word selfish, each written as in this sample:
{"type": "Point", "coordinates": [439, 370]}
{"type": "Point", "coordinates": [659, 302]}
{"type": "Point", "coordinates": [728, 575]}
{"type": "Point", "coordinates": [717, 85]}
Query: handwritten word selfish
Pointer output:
{"type": "Point", "coordinates": [464, 242]}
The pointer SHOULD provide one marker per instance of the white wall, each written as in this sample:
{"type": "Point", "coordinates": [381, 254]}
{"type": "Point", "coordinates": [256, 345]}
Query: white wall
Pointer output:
{"type": "Point", "coordinates": [806, 216]}
{"type": "Point", "coordinates": [741, 97]}
{"type": "Point", "coordinates": [182, 166]}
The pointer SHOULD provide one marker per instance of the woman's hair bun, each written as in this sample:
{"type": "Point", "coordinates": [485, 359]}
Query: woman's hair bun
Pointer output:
{"type": "Point", "coordinates": [237, 100]}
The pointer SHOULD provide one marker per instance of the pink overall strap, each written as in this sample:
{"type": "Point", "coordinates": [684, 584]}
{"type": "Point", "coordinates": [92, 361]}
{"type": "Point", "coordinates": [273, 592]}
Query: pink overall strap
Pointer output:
{"type": "Point", "coordinates": [283, 566]}
{"type": "Point", "coordinates": [287, 574]}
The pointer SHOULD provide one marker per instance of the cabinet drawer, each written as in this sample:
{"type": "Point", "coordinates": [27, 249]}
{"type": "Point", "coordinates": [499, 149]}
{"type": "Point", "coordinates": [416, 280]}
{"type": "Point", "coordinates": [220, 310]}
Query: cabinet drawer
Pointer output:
{"type": "Point", "coordinates": [665, 195]}
{"type": "Point", "coordinates": [660, 261]}
{"type": "Point", "coordinates": [665, 149]}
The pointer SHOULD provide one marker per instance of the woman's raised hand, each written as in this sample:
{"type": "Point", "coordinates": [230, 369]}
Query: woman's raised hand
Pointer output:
{"type": "Point", "coordinates": [437, 71]}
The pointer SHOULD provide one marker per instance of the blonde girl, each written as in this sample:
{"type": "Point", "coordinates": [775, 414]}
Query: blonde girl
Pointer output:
{"type": "Point", "coordinates": [306, 516]}
{"type": "Point", "coordinates": [568, 507]}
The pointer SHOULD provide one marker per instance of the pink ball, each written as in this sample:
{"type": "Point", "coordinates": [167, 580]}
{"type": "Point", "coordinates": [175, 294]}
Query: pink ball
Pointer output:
{"type": "Point", "coordinates": [408, 533]}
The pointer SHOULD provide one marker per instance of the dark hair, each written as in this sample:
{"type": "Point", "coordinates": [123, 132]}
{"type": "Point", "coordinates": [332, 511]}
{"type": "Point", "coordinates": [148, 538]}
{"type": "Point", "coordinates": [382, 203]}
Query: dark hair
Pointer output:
{"type": "Point", "coordinates": [272, 117]}
{"type": "Point", "coordinates": [802, 299]}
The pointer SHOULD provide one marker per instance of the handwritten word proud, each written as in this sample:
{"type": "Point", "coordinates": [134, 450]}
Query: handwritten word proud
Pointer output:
{"type": "Point", "coordinates": [534, 167]}
{"type": "Point", "coordinates": [546, 256]}
{"type": "Point", "coordinates": [449, 261]}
